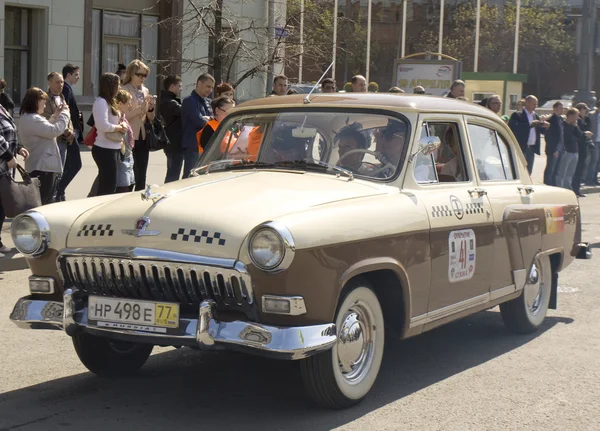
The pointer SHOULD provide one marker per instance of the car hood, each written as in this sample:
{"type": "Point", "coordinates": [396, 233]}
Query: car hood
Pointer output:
{"type": "Point", "coordinates": [211, 215]}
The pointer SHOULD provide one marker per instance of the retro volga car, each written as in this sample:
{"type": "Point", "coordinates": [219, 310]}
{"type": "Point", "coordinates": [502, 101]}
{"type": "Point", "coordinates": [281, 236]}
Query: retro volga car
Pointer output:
{"type": "Point", "coordinates": [312, 230]}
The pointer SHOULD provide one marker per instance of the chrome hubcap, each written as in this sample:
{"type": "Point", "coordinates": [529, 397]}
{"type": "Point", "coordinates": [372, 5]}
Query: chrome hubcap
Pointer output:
{"type": "Point", "coordinates": [534, 289]}
{"type": "Point", "coordinates": [355, 343]}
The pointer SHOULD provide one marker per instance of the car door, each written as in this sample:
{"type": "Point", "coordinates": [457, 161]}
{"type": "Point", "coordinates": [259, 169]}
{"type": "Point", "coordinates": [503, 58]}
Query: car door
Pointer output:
{"type": "Point", "coordinates": [461, 224]}
{"type": "Point", "coordinates": [508, 186]}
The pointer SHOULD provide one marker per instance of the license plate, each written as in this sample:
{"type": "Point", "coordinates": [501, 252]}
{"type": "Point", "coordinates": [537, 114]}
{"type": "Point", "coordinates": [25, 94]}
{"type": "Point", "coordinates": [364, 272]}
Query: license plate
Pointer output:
{"type": "Point", "coordinates": [133, 314]}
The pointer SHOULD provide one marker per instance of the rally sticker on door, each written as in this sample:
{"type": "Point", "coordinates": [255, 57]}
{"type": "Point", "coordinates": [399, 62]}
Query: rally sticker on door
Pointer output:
{"type": "Point", "coordinates": [555, 220]}
{"type": "Point", "coordinates": [461, 255]}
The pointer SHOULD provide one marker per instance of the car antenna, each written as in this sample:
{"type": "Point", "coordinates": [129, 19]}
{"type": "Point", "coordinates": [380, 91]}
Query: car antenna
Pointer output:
{"type": "Point", "coordinates": [307, 98]}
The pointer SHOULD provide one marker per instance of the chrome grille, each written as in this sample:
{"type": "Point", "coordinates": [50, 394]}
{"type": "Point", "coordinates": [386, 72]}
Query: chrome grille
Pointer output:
{"type": "Point", "coordinates": [187, 284]}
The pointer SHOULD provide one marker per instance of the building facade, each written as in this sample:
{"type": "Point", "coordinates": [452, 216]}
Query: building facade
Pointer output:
{"type": "Point", "coordinates": [40, 36]}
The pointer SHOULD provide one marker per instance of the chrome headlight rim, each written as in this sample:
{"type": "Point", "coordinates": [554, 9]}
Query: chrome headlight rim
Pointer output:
{"type": "Point", "coordinates": [44, 228]}
{"type": "Point", "coordinates": [289, 246]}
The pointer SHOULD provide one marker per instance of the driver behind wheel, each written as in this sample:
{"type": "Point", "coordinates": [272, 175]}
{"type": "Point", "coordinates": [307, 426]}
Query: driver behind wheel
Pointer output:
{"type": "Point", "coordinates": [389, 142]}
{"type": "Point", "coordinates": [351, 138]}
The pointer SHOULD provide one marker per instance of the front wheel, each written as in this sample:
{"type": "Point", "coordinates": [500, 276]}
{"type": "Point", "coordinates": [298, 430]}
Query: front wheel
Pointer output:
{"type": "Point", "coordinates": [110, 358]}
{"type": "Point", "coordinates": [526, 313]}
{"type": "Point", "coordinates": [344, 375]}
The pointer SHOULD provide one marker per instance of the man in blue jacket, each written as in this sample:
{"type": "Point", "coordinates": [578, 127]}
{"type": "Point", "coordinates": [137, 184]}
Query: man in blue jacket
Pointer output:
{"type": "Point", "coordinates": [72, 163]}
{"type": "Point", "coordinates": [195, 112]}
{"type": "Point", "coordinates": [527, 127]}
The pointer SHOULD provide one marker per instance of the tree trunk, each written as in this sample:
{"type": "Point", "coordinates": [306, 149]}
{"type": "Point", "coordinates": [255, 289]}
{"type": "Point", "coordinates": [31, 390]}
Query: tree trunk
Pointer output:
{"type": "Point", "coordinates": [217, 59]}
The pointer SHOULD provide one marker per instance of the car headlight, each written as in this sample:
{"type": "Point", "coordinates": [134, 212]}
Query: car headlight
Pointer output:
{"type": "Point", "coordinates": [30, 233]}
{"type": "Point", "coordinates": [271, 247]}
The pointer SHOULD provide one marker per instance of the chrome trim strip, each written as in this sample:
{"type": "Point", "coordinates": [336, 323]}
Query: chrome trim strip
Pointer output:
{"type": "Point", "coordinates": [297, 305]}
{"type": "Point", "coordinates": [205, 332]}
{"type": "Point", "coordinates": [148, 254]}
{"type": "Point", "coordinates": [440, 313]}
{"type": "Point", "coordinates": [503, 291]}
{"type": "Point", "coordinates": [50, 280]}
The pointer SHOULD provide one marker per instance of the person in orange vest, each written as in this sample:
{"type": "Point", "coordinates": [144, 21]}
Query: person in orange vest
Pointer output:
{"type": "Point", "coordinates": [220, 106]}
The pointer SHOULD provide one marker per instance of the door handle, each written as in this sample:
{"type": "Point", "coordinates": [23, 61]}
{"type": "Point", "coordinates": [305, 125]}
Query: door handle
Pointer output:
{"type": "Point", "coordinates": [527, 189]}
{"type": "Point", "coordinates": [478, 191]}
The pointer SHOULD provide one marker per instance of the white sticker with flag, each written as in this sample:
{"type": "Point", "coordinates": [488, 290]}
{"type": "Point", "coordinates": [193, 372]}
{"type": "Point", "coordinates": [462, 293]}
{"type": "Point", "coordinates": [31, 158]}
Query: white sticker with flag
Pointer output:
{"type": "Point", "coordinates": [461, 255]}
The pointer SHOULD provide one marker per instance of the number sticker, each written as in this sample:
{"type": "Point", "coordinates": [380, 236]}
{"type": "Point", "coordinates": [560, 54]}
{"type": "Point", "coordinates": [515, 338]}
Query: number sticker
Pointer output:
{"type": "Point", "coordinates": [461, 255]}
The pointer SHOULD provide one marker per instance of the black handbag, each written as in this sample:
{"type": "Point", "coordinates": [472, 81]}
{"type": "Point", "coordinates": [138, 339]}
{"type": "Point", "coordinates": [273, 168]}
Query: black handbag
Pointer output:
{"type": "Point", "coordinates": [156, 136]}
{"type": "Point", "coordinates": [18, 197]}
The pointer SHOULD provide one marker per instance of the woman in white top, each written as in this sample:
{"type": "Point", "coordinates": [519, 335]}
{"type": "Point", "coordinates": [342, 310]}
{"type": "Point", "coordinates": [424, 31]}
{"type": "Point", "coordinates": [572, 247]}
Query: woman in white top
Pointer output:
{"type": "Point", "coordinates": [38, 135]}
{"type": "Point", "coordinates": [106, 119]}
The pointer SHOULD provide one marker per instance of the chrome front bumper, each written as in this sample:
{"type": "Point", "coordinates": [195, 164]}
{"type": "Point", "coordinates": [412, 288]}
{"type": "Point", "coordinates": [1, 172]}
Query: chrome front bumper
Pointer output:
{"type": "Point", "coordinates": [205, 332]}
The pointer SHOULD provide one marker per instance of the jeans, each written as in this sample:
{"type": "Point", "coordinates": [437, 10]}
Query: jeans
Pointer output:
{"type": "Point", "coordinates": [530, 157]}
{"type": "Point", "coordinates": [174, 164]}
{"type": "Point", "coordinates": [72, 166]}
{"type": "Point", "coordinates": [580, 169]}
{"type": "Point", "coordinates": [566, 169]}
{"type": "Point", "coordinates": [190, 157]}
{"type": "Point", "coordinates": [550, 171]}
{"type": "Point", "coordinates": [106, 160]}
{"type": "Point", "coordinates": [141, 155]}
{"type": "Point", "coordinates": [591, 177]}
{"type": "Point", "coordinates": [2, 218]}
{"type": "Point", "coordinates": [48, 183]}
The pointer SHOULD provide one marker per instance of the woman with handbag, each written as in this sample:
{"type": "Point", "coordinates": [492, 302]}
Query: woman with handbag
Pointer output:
{"type": "Point", "coordinates": [9, 148]}
{"type": "Point", "coordinates": [142, 109]}
{"type": "Point", "coordinates": [107, 146]}
{"type": "Point", "coordinates": [38, 135]}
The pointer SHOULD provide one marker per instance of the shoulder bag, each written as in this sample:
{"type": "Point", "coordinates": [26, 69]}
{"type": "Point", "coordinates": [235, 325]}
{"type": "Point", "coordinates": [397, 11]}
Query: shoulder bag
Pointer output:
{"type": "Point", "coordinates": [18, 197]}
{"type": "Point", "coordinates": [156, 137]}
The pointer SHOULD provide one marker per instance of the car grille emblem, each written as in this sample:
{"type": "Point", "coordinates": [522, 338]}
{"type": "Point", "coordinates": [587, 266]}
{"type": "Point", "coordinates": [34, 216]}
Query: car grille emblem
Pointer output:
{"type": "Point", "coordinates": [140, 229]}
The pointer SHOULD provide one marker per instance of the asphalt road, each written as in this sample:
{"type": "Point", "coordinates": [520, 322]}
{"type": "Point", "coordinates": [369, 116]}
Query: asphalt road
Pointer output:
{"type": "Point", "coordinates": [468, 375]}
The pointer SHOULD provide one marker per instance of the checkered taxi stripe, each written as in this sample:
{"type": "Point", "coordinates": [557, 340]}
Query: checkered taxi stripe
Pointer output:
{"type": "Point", "coordinates": [197, 236]}
{"type": "Point", "coordinates": [474, 208]}
{"type": "Point", "coordinates": [441, 211]}
{"type": "Point", "coordinates": [96, 230]}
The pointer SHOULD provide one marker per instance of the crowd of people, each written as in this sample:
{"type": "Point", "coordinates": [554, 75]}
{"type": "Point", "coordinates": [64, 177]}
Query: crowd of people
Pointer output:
{"type": "Point", "coordinates": [50, 130]}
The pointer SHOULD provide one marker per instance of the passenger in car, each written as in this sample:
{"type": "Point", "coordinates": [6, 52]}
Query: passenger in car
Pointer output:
{"type": "Point", "coordinates": [285, 147]}
{"type": "Point", "coordinates": [453, 167]}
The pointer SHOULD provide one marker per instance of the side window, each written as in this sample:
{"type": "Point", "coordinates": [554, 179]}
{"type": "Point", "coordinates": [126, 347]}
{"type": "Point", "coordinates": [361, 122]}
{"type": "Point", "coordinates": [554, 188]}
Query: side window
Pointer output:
{"type": "Point", "coordinates": [507, 160]}
{"type": "Point", "coordinates": [449, 157]}
{"type": "Point", "coordinates": [492, 155]}
{"type": "Point", "coordinates": [424, 168]}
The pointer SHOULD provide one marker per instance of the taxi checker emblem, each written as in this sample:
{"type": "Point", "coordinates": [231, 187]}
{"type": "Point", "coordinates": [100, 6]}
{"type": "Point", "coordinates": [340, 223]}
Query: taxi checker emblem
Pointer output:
{"type": "Point", "coordinates": [457, 207]}
{"type": "Point", "coordinates": [140, 229]}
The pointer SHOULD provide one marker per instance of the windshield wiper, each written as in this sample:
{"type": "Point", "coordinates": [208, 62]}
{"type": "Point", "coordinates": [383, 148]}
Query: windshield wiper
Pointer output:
{"type": "Point", "coordinates": [316, 164]}
{"type": "Point", "coordinates": [233, 164]}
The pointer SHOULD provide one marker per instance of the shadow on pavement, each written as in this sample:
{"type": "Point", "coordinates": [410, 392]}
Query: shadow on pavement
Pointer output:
{"type": "Point", "coordinates": [193, 390]}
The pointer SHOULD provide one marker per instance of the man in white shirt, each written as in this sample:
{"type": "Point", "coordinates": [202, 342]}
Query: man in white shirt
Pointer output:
{"type": "Point", "coordinates": [527, 127]}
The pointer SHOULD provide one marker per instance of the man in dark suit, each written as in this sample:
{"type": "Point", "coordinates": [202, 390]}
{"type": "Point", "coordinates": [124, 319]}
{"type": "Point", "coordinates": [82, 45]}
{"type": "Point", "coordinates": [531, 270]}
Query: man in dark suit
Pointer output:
{"type": "Point", "coordinates": [591, 178]}
{"type": "Point", "coordinates": [554, 143]}
{"type": "Point", "coordinates": [73, 159]}
{"type": "Point", "coordinates": [527, 127]}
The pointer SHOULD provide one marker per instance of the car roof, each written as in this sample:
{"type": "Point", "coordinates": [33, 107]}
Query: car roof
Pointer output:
{"type": "Point", "coordinates": [390, 101]}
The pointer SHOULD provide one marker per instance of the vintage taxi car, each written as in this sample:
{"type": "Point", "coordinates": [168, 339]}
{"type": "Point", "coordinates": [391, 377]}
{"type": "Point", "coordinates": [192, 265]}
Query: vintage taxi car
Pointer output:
{"type": "Point", "coordinates": [309, 226]}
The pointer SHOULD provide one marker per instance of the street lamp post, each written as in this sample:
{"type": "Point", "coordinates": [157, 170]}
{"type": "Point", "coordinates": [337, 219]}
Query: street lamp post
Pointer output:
{"type": "Point", "coordinates": [585, 76]}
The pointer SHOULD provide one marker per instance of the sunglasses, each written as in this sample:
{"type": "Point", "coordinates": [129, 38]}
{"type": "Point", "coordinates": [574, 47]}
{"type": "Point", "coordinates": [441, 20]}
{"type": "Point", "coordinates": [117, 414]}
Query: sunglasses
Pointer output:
{"type": "Point", "coordinates": [141, 75]}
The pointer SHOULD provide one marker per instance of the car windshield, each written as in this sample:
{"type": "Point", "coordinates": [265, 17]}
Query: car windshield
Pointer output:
{"type": "Point", "coordinates": [360, 143]}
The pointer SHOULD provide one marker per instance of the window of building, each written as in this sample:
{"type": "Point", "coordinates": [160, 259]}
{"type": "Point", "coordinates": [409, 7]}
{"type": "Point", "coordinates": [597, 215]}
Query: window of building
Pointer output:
{"type": "Point", "coordinates": [513, 100]}
{"type": "Point", "coordinates": [17, 51]}
{"type": "Point", "coordinates": [119, 37]}
{"type": "Point", "coordinates": [492, 154]}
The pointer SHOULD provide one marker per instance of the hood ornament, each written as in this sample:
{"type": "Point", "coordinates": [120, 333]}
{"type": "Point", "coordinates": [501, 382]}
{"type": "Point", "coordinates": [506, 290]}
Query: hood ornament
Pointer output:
{"type": "Point", "coordinates": [140, 229]}
{"type": "Point", "coordinates": [148, 195]}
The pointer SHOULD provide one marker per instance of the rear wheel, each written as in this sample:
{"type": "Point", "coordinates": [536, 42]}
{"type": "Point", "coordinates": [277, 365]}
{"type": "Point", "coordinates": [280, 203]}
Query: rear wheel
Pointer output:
{"type": "Point", "coordinates": [110, 358]}
{"type": "Point", "coordinates": [526, 313]}
{"type": "Point", "coordinates": [344, 375]}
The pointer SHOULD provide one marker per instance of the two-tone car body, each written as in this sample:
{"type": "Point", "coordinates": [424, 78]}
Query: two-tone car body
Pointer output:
{"type": "Point", "coordinates": [306, 229]}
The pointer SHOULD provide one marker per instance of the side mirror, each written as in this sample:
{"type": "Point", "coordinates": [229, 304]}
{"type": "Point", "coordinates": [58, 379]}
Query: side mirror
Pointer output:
{"type": "Point", "coordinates": [427, 146]}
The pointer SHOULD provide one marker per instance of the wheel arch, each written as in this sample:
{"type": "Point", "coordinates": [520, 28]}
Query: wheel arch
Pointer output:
{"type": "Point", "coordinates": [390, 283]}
